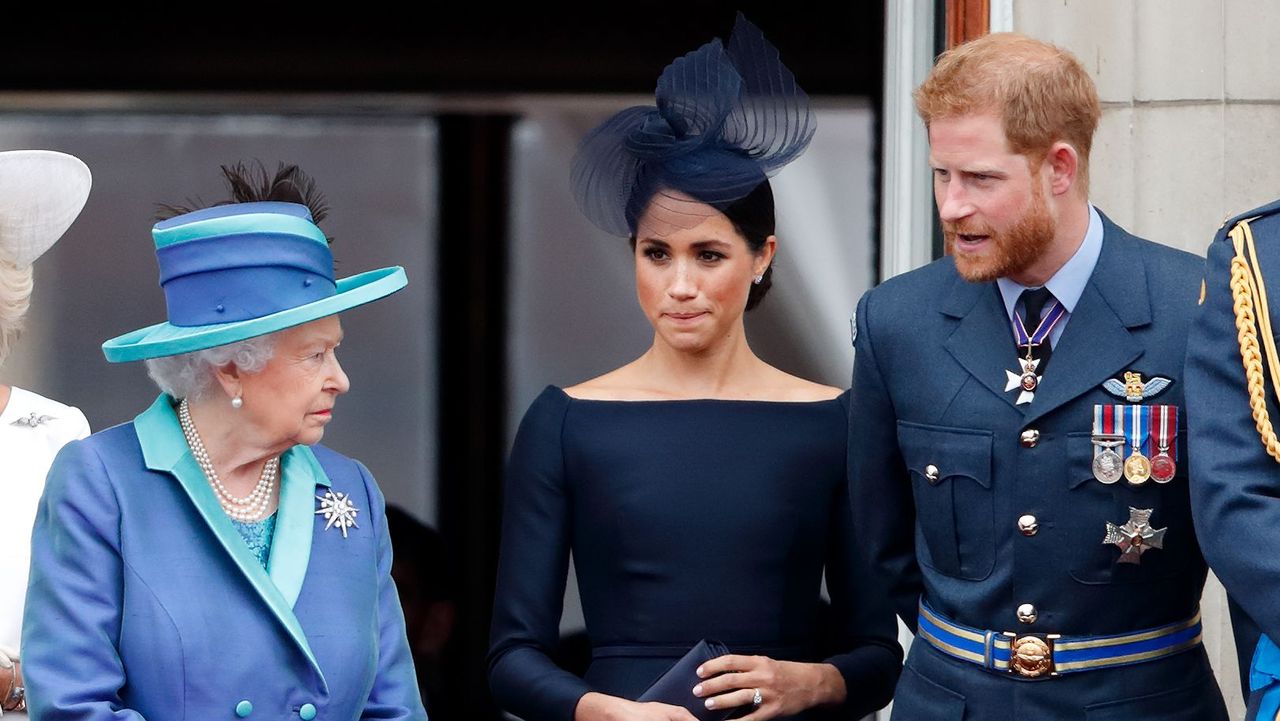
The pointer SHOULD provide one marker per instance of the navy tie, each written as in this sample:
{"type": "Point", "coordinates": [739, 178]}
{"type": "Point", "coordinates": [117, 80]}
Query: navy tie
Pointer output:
{"type": "Point", "coordinates": [1033, 302]}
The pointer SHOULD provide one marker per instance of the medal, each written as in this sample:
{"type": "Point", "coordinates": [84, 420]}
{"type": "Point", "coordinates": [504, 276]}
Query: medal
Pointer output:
{"type": "Point", "coordinates": [1108, 465]}
{"type": "Point", "coordinates": [1137, 468]}
{"type": "Point", "coordinates": [1135, 537]}
{"type": "Point", "coordinates": [1029, 379]}
{"type": "Point", "coordinates": [1163, 467]}
{"type": "Point", "coordinates": [1025, 380]}
{"type": "Point", "coordinates": [1165, 430]}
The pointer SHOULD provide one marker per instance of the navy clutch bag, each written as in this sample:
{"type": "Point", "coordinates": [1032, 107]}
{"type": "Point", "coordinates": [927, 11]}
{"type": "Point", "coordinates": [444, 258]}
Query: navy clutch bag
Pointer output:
{"type": "Point", "coordinates": [675, 687]}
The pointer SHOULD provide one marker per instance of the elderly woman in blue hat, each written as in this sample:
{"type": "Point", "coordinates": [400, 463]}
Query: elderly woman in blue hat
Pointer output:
{"type": "Point", "coordinates": [209, 560]}
{"type": "Point", "coordinates": [41, 193]}
{"type": "Point", "coordinates": [700, 491]}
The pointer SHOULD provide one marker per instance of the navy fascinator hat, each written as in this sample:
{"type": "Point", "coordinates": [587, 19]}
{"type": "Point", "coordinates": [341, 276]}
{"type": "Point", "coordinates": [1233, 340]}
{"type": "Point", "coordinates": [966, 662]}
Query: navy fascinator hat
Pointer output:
{"type": "Point", "coordinates": [727, 117]}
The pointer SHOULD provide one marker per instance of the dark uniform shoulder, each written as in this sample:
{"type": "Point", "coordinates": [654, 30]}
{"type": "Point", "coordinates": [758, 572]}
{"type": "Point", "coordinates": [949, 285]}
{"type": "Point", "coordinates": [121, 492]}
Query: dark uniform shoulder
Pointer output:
{"type": "Point", "coordinates": [906, 290]}
{"type": "Point", "coordinates": [1170, 262]}
{"type": "Point", "coordinates": [913, 286]}
{"type": "Point", "coordinates": [1265, 216]}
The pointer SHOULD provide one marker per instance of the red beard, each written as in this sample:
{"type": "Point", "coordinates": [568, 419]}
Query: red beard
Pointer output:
{"type": "Point", "coordinates": [1009, 252]}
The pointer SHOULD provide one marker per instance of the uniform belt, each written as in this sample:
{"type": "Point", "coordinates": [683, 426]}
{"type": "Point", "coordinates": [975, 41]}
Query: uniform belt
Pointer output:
{"type": "Point", "coordinates": [1044, 655]}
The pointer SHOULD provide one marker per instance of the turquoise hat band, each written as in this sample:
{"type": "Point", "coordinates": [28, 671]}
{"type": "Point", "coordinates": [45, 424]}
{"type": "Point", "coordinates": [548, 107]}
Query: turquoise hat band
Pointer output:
{"type": "Point", "coordinates": [246, 224]}
{"type": "Point", "coordinates": [166, 339]}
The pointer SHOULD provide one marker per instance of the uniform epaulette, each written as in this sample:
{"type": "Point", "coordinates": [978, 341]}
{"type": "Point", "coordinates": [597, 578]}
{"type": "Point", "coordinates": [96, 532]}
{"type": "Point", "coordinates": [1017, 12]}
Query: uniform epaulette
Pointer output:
{"type": "Point", "coordinates": [1271, 208]}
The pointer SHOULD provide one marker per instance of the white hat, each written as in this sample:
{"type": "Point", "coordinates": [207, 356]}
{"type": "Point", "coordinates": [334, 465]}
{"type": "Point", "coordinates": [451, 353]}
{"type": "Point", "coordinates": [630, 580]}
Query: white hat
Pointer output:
{"type": "Point", "coordinates": [41, 193]}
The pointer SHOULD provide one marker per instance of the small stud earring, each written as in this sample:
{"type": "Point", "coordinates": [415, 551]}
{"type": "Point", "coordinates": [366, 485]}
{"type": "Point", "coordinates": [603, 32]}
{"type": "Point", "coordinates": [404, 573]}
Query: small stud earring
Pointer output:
{"type": "Point", "coordinates": [758, 279]}
{"type": "Point", "coordinates": [237, 402]}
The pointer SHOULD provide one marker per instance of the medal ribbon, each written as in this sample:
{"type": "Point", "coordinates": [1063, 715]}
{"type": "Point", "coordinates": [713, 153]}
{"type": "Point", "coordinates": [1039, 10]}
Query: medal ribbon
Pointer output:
{"type": "Point", "coordinates": [1105, 420]}
{"type": "Point", "coordinates": [1137, 427]}
{"type": "Point", "coordinates": [1167, 430]}
{"type": "Point", "coordinates": [1042, 331]}
{"type": "Point", "coordinates": [1104, 424]}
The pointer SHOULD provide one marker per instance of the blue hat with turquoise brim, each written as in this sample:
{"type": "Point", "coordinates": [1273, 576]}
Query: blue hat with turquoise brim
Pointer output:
{"type": "Point", "coordinates": [243, 270]}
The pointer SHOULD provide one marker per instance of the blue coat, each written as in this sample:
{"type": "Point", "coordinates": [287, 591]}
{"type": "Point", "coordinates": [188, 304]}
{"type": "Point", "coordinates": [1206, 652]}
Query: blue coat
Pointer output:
{"type": "Point", "coordinates": [929, 390]}
{"type": "Point", "coordinates": [144, 602]}
{"type": "Point", "coordinates": [1235, 485]}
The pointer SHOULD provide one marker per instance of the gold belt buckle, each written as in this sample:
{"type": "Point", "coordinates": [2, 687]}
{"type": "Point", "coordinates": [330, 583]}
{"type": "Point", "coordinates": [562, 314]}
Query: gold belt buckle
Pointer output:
{"type": "Point", "coordinates": [1031, 655]}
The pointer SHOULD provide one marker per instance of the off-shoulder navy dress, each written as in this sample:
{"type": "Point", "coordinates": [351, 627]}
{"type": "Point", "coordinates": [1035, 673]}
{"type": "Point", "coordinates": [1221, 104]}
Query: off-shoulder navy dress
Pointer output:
{"type": "Point", "coordinates": [686, 520]}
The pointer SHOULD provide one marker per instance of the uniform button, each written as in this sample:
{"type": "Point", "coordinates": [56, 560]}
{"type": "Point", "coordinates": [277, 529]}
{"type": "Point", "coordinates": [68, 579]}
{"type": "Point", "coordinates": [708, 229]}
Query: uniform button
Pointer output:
{"type": "Point", "coordinates": [1027, 613]}
{"type": "Point", "coordinates": [307, 712]}
{"type": "Point", "coordinates": [931, 473]}
{"type": "Point", "coordinates": [243, 709]}
{"type": "Point", "coordinates": [1030, 438]}
{"type": "Point", "coordinates": [1028, 525]}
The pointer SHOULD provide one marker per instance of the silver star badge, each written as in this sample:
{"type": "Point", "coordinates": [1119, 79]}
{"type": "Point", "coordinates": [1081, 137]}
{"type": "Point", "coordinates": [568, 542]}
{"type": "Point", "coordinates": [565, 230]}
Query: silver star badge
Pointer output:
{"type": "Point", "coordinates": [33, 420]}
{"type": "Point", "coordinates": [1136, 536]}
{"type": "Point", "coordinates": [1017, 381]}
{"type": "Point", "coordinates": [338, 510]}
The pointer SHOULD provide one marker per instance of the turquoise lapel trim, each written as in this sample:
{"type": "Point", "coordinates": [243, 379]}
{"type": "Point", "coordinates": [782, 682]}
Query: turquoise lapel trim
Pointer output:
{"type": "Point", "coordinates": [295, 520]}
{"type": "Point", "coordinates": [165, 449]}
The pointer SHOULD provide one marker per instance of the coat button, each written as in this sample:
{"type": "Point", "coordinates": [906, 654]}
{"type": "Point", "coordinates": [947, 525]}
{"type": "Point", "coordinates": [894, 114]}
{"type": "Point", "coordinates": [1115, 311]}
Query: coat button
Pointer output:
{"type": "Point", "coordinates": [1028, 525]}
{"type": "Point", "coordinates": [307, 712]}
{"type": "Point", "coordinates": [1027, 613]}
{"type": "Point", "coordinates": [931, 473]}
{"type": "Point", "coordinates": [1030, 438]}
{"type": "Point", "coordinates": [243, 709]}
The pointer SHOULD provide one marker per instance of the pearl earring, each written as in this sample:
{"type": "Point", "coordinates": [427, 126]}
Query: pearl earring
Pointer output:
{"type": "Point", "coordinates": [758, 279]}
{"type": "Point", "coordinates": [237, 402]}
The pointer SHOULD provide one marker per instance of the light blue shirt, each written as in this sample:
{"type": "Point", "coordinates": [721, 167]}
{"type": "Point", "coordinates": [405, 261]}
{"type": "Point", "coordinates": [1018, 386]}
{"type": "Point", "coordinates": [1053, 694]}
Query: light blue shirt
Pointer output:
{"type": "Point", "coordinates": [1067, 285]}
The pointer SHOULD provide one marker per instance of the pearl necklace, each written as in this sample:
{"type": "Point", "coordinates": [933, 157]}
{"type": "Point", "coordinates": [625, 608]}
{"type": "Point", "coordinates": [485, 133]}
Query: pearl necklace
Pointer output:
{"type": "Point", "coordinates": [245, 509]}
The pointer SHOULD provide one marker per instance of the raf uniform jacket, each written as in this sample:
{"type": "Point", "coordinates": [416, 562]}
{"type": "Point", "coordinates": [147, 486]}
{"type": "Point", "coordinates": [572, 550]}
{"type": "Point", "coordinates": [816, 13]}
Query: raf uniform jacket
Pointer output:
{"type": "Point", "coordinates": [145, 602]}
{"type": "Point", "coordinates": [932, 351]}
{"type": "Point", "coordinates": [1235, 484]}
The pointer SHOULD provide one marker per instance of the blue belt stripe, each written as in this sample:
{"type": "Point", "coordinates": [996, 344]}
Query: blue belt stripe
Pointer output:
{"type": "Point", "coordinates": [996, 651]}
{"type": "Point", "coordinates": [1127, 649]}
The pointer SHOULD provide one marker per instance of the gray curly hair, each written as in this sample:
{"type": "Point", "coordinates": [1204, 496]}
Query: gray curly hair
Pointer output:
{"type": "Point", "coordinates": [191, 375]}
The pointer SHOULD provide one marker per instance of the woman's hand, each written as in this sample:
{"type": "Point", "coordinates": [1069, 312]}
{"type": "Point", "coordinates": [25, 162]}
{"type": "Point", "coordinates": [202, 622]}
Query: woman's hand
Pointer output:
{"type": "Point", "coordinates": [785, 687]}
{"type": "Point", "coordinates": [602, 707]}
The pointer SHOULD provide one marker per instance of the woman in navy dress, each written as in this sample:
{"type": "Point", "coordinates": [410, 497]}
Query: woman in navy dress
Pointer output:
{"type": "Point", "coordinates": [701, 492]}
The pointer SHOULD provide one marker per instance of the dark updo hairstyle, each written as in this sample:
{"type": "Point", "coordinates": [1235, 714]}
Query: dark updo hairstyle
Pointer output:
{"type": "Point", "coordinates": [754, 218]}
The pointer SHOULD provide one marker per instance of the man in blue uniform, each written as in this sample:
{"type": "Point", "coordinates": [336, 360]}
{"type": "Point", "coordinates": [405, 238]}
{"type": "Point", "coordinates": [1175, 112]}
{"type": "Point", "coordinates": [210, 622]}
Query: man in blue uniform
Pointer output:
{"type": "Point", "coordinates": [1017, 467]}
{"type": "Point", "coordinates": [1232, 364]}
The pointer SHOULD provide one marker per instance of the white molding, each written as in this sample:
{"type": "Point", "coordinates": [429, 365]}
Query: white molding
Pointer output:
{"type": "Point", "coordinates": [1001, 16]}
{"type": "Point", "coordinates": [906, 219]}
